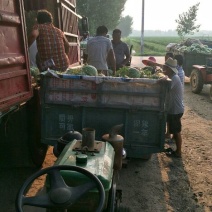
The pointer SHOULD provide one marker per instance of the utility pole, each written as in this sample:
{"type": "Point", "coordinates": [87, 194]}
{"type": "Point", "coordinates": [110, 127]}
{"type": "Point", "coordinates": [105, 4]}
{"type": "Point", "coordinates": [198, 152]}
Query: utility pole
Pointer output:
{"type": "Point", "coordinates": [142, 28]}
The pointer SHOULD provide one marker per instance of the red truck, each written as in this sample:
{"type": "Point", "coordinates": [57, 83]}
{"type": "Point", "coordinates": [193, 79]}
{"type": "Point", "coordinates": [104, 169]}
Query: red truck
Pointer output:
{"type": "Point", "coordinates": [20, 114]}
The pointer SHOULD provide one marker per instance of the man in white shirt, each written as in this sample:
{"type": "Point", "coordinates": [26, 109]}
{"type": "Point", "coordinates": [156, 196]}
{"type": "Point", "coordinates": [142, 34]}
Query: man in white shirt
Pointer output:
{"type": "Point", "coordinates": [98, 50]}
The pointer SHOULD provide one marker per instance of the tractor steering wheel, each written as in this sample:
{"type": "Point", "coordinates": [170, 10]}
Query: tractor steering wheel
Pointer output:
{"type": "Point", "coordinates": [59, 195]}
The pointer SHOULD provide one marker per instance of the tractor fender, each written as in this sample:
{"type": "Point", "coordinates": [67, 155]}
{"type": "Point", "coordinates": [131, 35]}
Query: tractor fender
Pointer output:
{"type": "Point", "coordinates": [202, 70]}
{"type": "Point", "coordinates": [198, 67]}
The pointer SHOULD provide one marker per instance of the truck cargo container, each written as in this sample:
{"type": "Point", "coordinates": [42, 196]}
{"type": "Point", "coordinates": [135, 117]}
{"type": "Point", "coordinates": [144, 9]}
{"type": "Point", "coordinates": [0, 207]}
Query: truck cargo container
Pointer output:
{"type": "Point", "coordinates": [20, 113]}
{"type": "Point", "coordinates": [101, 103]}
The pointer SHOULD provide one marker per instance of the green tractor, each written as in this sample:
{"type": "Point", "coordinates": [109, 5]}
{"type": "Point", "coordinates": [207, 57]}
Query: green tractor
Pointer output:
{"type": "Point", "coordinates": [82, 178]}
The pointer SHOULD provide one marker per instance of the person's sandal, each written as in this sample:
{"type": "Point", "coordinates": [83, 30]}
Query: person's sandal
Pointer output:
{"type": "Point", "coordinates": [173, 153]}
{"type": "Point", "coordinates": [169, 141]}
{"type": "Point", "coordinates": [168, 150]}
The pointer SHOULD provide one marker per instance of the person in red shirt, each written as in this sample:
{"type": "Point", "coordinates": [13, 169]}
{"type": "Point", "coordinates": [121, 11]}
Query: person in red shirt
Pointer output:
{"type": "Point", "coordinates": [52, 45]}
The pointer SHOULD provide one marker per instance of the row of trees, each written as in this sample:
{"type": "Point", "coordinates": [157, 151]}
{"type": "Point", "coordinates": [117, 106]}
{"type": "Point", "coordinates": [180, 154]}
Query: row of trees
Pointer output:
{"type": "Point", "coordinates": [108, 13]}
{"type": "Point", "coordinates": [105, 12]}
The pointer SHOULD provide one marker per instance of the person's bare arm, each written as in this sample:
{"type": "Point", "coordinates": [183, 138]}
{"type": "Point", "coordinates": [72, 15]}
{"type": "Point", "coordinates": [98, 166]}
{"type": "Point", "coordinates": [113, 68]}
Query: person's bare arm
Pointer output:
{"type": "Point", "coordinates": [33, 36]}
{"type": "Point", "coordinates": [127, 57]}
{"type": "Point", "coordinates": [66, 44]}
{"type": "Point", "coordinates": [112, 59]}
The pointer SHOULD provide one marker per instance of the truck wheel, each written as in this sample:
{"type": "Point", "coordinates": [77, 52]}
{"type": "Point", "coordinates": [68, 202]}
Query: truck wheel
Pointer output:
{"type": "Point", "coordinates": [210, 93]}
{"type": "Point", "coordinates": [38, 151]}
{"type": "Point", "coordinates": [196, 81]}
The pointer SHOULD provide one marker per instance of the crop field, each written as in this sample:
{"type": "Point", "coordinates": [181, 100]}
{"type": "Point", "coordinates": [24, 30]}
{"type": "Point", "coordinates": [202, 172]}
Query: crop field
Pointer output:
{"type": "Point", "coordinates": [152, 45]}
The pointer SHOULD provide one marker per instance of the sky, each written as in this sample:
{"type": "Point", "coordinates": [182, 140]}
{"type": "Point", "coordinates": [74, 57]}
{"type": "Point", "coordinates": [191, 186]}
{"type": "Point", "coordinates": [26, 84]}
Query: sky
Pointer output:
{"type": "Point", "coordinates": [161, 14]}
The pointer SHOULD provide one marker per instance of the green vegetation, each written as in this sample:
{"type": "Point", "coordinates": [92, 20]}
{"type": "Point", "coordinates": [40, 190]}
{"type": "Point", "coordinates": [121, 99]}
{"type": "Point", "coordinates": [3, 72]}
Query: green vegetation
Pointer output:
{"type": "Point", "coordinates": [186, 22]}
{"type": "Point", "coordinates": [100, 13]}
{"type": "Point", "coordinates": [152, 45]}
{"type": "Point", "coordinates": [125, 25]}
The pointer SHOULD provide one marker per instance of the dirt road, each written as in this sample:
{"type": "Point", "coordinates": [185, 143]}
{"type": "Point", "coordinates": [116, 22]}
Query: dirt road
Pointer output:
{"type": "Point", "coordinates": [165, 184]}
{"type": "Point", "coordinates": [160, 184]}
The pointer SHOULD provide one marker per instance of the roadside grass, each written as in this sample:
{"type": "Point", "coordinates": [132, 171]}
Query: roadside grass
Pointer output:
{"type": "Point", "coordinates": [152, 45]}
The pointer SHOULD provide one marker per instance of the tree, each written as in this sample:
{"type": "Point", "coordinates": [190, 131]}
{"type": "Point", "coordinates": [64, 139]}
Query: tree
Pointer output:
{"type": "Point", "coordinates": [101, 12]}
{"type": "Point", "coordinates": [186, 22]}
{"type": "Point", "coordinates": [125, 25]}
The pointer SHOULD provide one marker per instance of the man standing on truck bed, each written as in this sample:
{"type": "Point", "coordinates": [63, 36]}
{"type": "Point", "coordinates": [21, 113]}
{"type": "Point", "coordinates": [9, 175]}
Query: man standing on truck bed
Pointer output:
{"type": "Point", "coordinates": [53, 46]}
{"type": "Point", "coordinates": [98, 50]}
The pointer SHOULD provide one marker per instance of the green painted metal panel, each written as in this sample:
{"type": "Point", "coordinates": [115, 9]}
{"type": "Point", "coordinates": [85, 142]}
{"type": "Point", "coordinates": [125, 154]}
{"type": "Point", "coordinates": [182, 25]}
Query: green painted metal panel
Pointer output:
{"type": "Point", "coordinates": [100, 164]}
{"type": "Point", "coordinates": [143, 131]}
{"type": "Point", "coordinates": [144, 118]}
{"type": "Point", "coordinates": [57, 120]}
{"type": "Point", "coordinates": [191, 59]}
{"type": "Point", "coordinates": [103, 119]}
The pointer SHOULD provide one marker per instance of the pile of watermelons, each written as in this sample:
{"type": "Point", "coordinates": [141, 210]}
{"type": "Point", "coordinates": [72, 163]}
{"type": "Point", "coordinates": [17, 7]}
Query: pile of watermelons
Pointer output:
{"type": "Point", "coordinates": [146, 72]}
{"type": "Point", "coordinates": [83, 70]}
{"type": "Point", "coordinates": [196, 48]}
{"type": "Point", "coordinates": [193, 46]}
{"type": "Point", "coordinates": [127, 72]}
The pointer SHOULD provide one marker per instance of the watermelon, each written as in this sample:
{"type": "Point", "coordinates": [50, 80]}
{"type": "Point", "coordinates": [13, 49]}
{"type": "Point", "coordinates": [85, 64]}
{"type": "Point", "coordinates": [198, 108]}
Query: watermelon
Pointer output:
{"type": "Point", "coordinates": [34, 71]}
{"type": "Point", "coordinates": [110, 72]}
{"type": "Point", "coordinates": [89, 70]}
{"type": "Point", "coordinates": [133, 73]}
{"type": "Point", "coordinates": [74, 71]}
{"type": "Point", "coordinates": [122, 72]}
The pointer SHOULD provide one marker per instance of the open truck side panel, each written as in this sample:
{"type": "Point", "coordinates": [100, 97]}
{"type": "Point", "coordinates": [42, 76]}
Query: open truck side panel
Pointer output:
{"type": "Point", "coordinates": [20, 110]}
{"type": "Point", "coordinates": [15, 79]}
{"type": "Point", "coordinates": [17, 117]}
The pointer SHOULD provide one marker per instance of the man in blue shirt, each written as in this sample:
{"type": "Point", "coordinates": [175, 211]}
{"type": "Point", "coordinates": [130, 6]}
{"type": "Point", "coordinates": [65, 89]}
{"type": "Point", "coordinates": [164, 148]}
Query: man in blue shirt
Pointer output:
{"type": "Point", "coordinates": [175, 106]}
{"type": "Point", "coordinates": [181, 72]}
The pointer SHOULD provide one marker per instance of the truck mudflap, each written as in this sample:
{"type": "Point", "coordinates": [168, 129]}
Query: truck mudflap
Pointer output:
{"type": "Point", "coordinates": [15, 79]}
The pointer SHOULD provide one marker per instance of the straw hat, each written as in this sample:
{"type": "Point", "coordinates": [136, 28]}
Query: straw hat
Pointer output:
{"type": "Point", "coordinates": [150, 61]}
{"type": "Point", "coordinates": [171, 63]}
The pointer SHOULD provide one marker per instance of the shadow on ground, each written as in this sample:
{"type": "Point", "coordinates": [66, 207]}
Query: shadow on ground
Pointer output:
{"type": "Point", "coordinates": [160, 184]}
